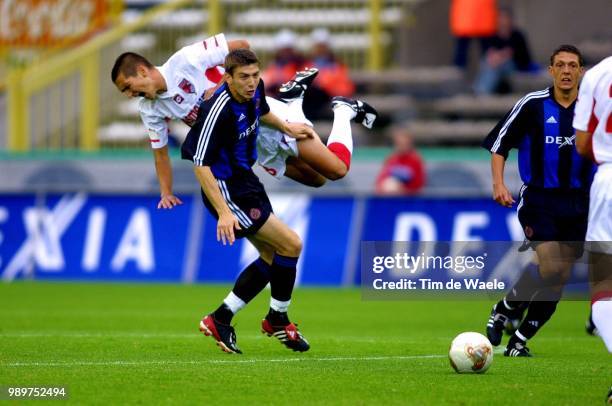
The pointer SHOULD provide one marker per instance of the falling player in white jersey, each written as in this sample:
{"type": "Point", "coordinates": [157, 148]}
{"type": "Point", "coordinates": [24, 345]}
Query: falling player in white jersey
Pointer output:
{"type": "Point", "coordinates": [176, 89]}
{"type": "Point", "coordinates": [593, 124]}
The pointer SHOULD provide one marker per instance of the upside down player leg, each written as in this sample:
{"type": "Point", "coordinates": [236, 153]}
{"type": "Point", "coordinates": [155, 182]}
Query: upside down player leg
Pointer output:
{"type": "Point", "coordinates": [314, 162]}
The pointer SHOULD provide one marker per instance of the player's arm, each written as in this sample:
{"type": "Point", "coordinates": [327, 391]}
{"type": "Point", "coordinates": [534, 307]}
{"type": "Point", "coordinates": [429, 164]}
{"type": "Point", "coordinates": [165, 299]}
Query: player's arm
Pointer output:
{"type": "Point", "coordinates": [583, 123]}
{"type": "Point", "coordinates": [294, 130]}
{"type": "Point", "coordinates": [506, 135]}
{"type": "Point", "coordinates": [203, 151]}
{"type": "Point", "coordinates": [584, 144]}
{"type": "Point", "coordinates": [163, 168]}
{"type": "Point", "coordinates": [227, 221]}
{"type": "Point", "coordinates": [501, 194]}
{"type": "Point", "coordinates": [158, 136]}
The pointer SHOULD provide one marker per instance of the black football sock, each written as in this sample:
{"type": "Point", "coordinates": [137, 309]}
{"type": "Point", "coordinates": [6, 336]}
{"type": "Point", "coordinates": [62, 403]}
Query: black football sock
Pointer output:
{"type": "Point", "coordinates": [282, 279]}
{"type": "Point", "coordinates": [223, 314]}
{"type": "Point", "coordinates": [539, 312]}
{"type": "Point", "coordinates": [519, 296]}
{"type": "Point", "coordinates": [252, 280]}
{"type": "Point", "coordinates": [277, 318]}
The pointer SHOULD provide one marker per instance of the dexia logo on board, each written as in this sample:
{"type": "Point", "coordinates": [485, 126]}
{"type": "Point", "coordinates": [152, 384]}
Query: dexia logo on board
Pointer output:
{"type": "Point", "coordinates": [46, 240]}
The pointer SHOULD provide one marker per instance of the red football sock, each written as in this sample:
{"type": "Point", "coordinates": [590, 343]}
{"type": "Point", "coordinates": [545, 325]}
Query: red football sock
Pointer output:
{"type": "Point", "coordinates": [342, 152]}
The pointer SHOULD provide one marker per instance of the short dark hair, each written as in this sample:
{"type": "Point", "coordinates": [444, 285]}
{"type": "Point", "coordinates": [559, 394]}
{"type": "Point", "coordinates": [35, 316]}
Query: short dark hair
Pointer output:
{"type": "Point", "coordinates": [239, 57]}
{"type": "Point", "coordinates": [127, 63]}
{"type": "Point", "coordinates": [569, 49]}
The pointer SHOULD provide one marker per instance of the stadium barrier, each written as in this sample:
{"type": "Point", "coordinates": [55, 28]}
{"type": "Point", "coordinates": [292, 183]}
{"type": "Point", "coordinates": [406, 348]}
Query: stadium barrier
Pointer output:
{"type": "Point", "coordinates": [125, 238]}
{"type": "Point", "coordinates": [65, 101]}
{"type": "Point", "coordinates": [59, 102]}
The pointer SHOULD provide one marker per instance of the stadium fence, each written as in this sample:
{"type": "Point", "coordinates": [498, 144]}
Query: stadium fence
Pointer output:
{"type": "Point", "coordinates": [64, 99]}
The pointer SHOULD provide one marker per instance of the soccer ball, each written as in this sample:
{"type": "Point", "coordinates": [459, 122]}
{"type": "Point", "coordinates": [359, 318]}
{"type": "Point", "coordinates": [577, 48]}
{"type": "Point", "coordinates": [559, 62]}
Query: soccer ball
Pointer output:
{"type": "Point", "coordinates": [470, 353]}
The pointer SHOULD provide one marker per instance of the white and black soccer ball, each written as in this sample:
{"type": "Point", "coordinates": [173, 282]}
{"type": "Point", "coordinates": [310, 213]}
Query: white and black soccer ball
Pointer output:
{"type": "Point", "coordinates": [470, 353]}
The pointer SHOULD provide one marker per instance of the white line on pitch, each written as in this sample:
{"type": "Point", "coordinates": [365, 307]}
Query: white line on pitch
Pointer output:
{"type": "Point", "coordinates": [85, 334]}
{"type": "Point", "coordinates": [196, 335]}
{"type": "Point", "coordinates": [237, 361]}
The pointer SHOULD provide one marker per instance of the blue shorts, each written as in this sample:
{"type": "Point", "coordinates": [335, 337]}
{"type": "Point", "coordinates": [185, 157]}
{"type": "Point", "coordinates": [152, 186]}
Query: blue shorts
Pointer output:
{"type": "Point", "coordinates": [553, 215]}
{"type": "Point", "coordinates": [247, 199]}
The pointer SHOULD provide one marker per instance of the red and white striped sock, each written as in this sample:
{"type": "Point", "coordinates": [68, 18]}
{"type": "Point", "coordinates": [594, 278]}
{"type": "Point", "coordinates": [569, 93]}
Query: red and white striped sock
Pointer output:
{"type": "Point", "coordinates": [340, 141]}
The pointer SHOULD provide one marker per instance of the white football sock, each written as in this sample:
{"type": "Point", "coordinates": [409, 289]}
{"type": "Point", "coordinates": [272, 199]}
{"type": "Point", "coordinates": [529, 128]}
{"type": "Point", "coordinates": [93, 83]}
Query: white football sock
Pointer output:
{"type": "Point", "coordinates": [602, 317]}
{"type": "Point", "coordinates": [279, 306]}
{"type": "Point", "coordinates": [341, 128]}
{"type": "Point", "coordinates": [295, 113]}
{"type": "Point", "coordinates": [234, 302]}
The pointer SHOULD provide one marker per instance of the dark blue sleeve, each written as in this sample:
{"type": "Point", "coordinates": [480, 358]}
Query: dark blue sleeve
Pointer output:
{"type": "Point", "coordinates": [510, 130]}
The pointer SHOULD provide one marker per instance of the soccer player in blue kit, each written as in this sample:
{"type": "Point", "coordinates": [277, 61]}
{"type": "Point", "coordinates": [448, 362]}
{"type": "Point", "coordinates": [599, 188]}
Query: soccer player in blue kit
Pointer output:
{"type": "Point", "coordinates": [222, 146]}
{"type": "Point", "coordinates": [554, 198]}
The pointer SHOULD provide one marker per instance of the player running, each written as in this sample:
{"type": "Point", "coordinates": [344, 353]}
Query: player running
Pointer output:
{"type": "Point", "coordinates": [554, 198]}
{"type": "Point", "coordinates": [221, 145]}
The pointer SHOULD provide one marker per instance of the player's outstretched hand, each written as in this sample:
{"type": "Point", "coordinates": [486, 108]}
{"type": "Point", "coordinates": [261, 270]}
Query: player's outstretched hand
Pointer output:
{"type": "Point", "coordinates": [168, 202]}
{"type": "Point", "coordinates": [225, 228]}
{"type": "Point", "coordinates": [299, 131]}
{"type": "Point", "coordinates": [502, 195]}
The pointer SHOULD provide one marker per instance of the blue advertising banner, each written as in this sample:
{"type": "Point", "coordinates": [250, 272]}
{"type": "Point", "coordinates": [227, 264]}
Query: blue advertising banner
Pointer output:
{"type": "Point", "coordinates": [76, 236]}
{"type": "Point", "coordinates": [322, 223]}
{"type": "Point", "coordinates": [126, 238]}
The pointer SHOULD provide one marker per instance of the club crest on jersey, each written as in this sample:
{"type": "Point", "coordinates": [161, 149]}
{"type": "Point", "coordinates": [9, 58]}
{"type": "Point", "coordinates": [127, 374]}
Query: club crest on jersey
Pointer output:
{"type": "Point", "coordinates": [178, 98]}
{"type": "Point", "coordinates": [187, 87]}
{"type": "Point", "coordinates": [255, 214]}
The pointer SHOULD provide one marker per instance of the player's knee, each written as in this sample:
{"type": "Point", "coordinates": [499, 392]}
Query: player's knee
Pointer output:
{"type": "Point", "coordinates": [555, 276]}
{"type": "Point", "coordinates": [338, 172]}
{"type": "Point", "coordinates": [267, 256]}
{"type": "Point", "coordinates": [292, 246]}
{"type": "Point", "coordinates": [318, 182]}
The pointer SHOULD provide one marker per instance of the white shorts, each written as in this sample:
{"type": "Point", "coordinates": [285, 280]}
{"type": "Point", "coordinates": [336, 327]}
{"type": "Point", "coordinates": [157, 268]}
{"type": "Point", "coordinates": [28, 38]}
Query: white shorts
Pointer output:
{"type": "Point", "coordinates": [273, 146]}
{"type": "Point", "coordinates": [600, 210]}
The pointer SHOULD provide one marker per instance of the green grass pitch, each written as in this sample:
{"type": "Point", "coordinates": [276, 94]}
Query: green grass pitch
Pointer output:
{"type": "Point", "coordinates": [139, 344]}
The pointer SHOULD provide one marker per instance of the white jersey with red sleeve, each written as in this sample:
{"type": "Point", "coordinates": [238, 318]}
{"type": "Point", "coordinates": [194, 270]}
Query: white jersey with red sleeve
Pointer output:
{"type": "Point", "coordinates": [188, 74]}
{"type": "Point", "coordinates": [593, 112]}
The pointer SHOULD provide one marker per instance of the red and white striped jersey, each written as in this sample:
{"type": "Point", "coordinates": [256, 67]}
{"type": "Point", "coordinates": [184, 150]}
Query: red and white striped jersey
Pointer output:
{"type": "Point", "coordinates": [593, 111]}
{"type": "Point", "coordinates": [188, 74]}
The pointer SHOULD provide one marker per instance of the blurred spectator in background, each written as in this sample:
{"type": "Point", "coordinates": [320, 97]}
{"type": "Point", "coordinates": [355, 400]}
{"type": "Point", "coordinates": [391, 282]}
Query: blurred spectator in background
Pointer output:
{"type": "Point", "coordinates": [333, 78]}
{"type": "Point", "coordinates": [403, 172]}
{"type": "Point", "coordinates": [507, 53]}
{"type": "Point", "coordinates": [471, 19]}
{"type": "Point", "coordinates": [287, 60]}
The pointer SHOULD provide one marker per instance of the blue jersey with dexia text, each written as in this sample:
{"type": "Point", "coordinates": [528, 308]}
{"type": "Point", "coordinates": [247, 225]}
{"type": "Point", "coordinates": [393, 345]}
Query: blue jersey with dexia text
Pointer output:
{"type": "Point", "coordinates": [542, 131]}
{"type": "Point", "coordinates": [225, 133]}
